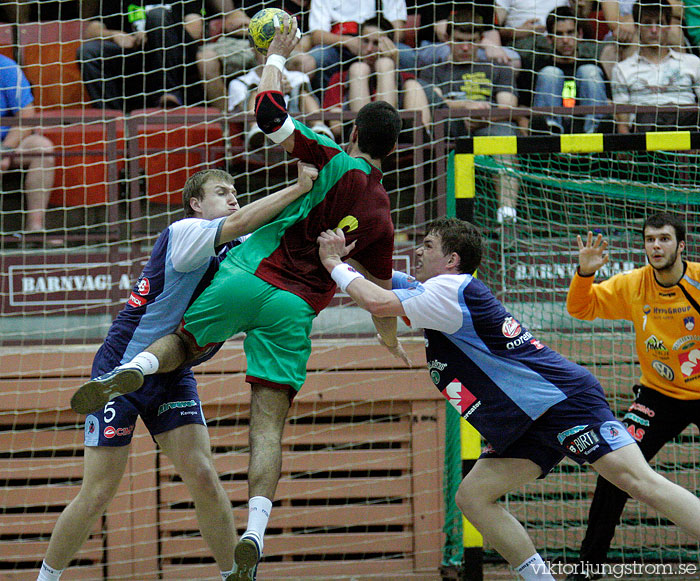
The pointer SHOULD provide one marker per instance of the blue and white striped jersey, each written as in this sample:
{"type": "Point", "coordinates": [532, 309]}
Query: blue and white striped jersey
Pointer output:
{"type": "Point", "coordinates": [182, 263]}
{"type": "Point", "coordinates": [490, 367]}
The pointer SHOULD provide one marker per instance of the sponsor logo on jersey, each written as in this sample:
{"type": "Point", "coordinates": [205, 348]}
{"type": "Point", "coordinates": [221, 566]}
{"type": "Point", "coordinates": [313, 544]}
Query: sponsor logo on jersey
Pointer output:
{"type": "Point", "coordinates": [510, 328]}
{"type": "Point", "coordinates": [461, 398]}
{"type": "Point", "coordinates": [172, 405]}
{"type": "Point", "coordinates": [526, 337]}
{"type": "Point", "coordinates": [643, 409]}
{"type": "Point", "coordinates": [136, 301]}
{"type": "Point", "coordinates": [615, 434]}
{"type": "Point", "coordinates": [143, 286]}
{"type": "Point", "coordinates": [585, 443]}
{"type": "Point", "coordinates": [686, 343]}
{"type": "Point", "coordinates": [653, 343]}
{"type": "Point", "coordinates": [349, 222]}
{"type": "Point", "coordinates": [667, 294]}
{"type": "Point", "coordinates": [646, 309]}
{"type": "Point", "coordinates": [689, 323]}
{"type": "Point", "coordinates": [535, 343]}
{"type": "Point", "coordinates": [663, 370]}
{"type": "Point", "coordinates": [92, 430]}
{"type": "Point", "coordinates": [671, 310]}
{"type": "Point", "coordinates": [435, 364]}
{"type": "Point", "coordinates": [632, 417]}
{"type": "Point", "coordinates": [690, 363]}
{"type": "Point", "coordinates": [110, 431]}
{"type": "Point", "coordinates": [561, 436]}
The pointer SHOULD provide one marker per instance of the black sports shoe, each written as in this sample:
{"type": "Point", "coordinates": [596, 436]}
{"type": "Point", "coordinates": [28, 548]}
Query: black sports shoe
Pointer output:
{"type": "Point", "coordinates": [96, 393]}
{"type": "Point", "coordinates": [245, 559]}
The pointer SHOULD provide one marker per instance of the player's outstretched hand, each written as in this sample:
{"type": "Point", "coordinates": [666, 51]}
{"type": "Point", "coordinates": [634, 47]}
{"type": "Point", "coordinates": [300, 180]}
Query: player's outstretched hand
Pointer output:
{"type": "Point", "coordinates": [397, 351]}
{"type": "Point", "coordinates": [285, 40]}
{"type": "Point", "coordinates": [332, 248]}
{"type": "Point", "coordinates": [591, 255]}
{"type": "Point", "coordinates": [307, 174]}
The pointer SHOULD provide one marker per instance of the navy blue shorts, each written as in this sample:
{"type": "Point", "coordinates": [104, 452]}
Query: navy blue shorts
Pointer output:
{"type": "Point", "coordinates": [581, 427]}
{"type": "Point", "coordinates": [165, 401]}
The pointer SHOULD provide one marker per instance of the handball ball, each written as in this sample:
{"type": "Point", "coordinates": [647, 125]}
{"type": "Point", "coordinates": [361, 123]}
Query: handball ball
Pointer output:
{"type": "Point", "coordinates": [261, 29]}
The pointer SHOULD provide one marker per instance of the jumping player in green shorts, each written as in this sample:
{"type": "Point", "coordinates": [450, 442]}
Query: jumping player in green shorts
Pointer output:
{"type": "Point", "coordinates": [276, 286]}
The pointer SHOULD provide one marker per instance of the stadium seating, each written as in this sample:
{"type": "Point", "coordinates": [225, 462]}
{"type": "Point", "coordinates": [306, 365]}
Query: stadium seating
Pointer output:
{"type": "Point", "coordinates": [47, 53]}
{"type": "Point", "coordinates": [7, 41]}
{"type": "Point", "coordinates": [172, 145]}
{"type": "Point", "coordinates": [89, 146]}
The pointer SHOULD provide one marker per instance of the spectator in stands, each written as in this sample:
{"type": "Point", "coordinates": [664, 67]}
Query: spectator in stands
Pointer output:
{"type": "Point", "coordinates": [624, 34]}
{"type": "Point", "coordinates": [243, 89]}
{"type": "Point", "coordinates": [335, 27]}
{"type": "Point", "coordinates": [374, 76]}
{"type": "Point", "coordinates": [432, 42]}
{"type": "Point", "coordinates": [221, 60]}
{"type": "Point", "coordinates": [572, 77]}
{"type": "Point", "coordinates": [661, 300]}
{"type": "Point", "coordinates": [656, 75]}
{"type": "Point", "coordinates": [590, 19]}
{"type": "Point", "coordinates": [23, 147]}
{"type": "Point", "coordinates": [466, 85]}
{"type": "Point", "coordinates": [145, 55]}
{"type": "Point", "coordinates": [523, 27]}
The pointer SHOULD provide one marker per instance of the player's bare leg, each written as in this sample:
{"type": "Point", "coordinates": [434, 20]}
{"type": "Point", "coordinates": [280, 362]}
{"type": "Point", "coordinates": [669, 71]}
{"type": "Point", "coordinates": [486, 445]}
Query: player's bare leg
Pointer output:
{"type": "Point", "coordinates": [189, 449]}
{"type": "Point", "coordinates": [268, 412]}
{"type": "Point", "coordinates": [477, 497]}
{"type": "Point", "coordinates": [103, 469]}
{"type": "Point", "coordinates": [627, 469]}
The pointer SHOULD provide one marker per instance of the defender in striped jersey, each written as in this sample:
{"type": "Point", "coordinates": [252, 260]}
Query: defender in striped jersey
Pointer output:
{"type": "Point", "coordinates": [531, 404]}
{"type": "Point", "coordinates": [183, 260]}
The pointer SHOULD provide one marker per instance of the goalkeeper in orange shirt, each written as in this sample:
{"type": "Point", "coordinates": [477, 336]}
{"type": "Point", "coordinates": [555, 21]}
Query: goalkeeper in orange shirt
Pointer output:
{"type": "Point", "coordinates": [662, 301]}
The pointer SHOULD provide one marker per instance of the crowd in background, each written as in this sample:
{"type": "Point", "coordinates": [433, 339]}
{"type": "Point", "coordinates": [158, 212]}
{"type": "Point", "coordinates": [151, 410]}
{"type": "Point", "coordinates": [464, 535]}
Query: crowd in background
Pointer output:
{"type": "Point", "coordinates": [468, 58]}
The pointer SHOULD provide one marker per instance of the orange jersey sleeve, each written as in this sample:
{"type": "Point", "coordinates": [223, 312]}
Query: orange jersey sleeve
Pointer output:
{"type": "Point", "coordinates": [666, 323]}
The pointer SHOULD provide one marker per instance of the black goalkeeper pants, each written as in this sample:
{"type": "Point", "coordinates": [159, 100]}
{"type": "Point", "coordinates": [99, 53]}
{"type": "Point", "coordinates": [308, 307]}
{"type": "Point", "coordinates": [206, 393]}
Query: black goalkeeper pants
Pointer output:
{"type": "Point", "coordinates": [653, 419]}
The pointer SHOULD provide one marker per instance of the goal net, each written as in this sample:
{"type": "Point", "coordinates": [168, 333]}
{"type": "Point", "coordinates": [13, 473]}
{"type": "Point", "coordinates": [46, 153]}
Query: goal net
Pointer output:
{"type": "Point", "coordinates": [372, 455]}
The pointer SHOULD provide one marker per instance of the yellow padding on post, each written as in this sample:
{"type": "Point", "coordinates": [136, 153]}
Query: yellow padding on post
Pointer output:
{"type": "Point", "coordinates": [464, 176]}
{"type": "Point", "coordinates": [671, 140]}
{"type": "Point", "coordinates": [496, 145]}
{"type": "Point", "coordinates": [582, 143]}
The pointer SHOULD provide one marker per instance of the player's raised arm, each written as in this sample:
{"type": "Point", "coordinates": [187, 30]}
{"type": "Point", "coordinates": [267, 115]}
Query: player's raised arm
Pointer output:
{"type": "Point", "coordinates": [270, 108]}
{"type": "Point", "coordinates": [254, 215]}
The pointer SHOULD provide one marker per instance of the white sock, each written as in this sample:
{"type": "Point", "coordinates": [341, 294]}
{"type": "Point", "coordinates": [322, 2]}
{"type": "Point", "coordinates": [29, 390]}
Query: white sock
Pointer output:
{"type": "Point", "coordinates": [47, 573]}
{"type": "Point", "coordinates": [506, 214]}
{"type": "Point", "coordinates": [259, 509]}
{"type": "Point", "coordinates": [145, 361]}
{"type": "Point", "coordinates": [535, 569]}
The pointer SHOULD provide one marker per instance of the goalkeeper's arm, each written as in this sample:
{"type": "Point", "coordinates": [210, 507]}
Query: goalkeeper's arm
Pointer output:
{"type": "Point", "coordinates": [270, 109]}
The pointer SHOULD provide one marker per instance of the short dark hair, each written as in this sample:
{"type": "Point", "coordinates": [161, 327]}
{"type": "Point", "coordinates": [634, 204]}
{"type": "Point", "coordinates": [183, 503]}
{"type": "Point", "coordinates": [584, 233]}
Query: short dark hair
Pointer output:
{"type": "Point", "coordinates": [195, 183]}
{"type": "Point", "coordinates": [661, 219]}
{"type": "Point", "coordinates": [379, 22]}
{"type": "Point", "coordinates": [378, 125]}
{"type": "Point", "coordinates": [461, 237]}
{"type": "Point", "coordinates": [660, 8]}
{"type": "Point", "coordinates": [561, 13]}
{"type": "Point", "coordinates": [470, 19]}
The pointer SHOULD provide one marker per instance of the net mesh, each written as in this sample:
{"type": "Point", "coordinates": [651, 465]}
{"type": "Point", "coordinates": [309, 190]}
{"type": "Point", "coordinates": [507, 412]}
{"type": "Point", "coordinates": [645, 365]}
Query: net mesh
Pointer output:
{"type": "Point", "coordinates": [371, 456]}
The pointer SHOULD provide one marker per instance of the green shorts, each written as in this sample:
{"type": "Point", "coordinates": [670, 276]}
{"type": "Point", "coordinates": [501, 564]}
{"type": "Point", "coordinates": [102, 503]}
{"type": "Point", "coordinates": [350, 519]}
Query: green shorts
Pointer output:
{"type": "Point", "coordinates": [277, 324]}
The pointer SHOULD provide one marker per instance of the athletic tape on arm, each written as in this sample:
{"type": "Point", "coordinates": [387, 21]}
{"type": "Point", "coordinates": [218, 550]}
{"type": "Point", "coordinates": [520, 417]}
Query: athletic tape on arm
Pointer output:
{"type": "Point", "coordinates": [271, 116]}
